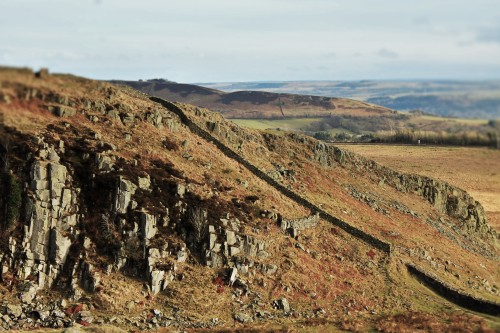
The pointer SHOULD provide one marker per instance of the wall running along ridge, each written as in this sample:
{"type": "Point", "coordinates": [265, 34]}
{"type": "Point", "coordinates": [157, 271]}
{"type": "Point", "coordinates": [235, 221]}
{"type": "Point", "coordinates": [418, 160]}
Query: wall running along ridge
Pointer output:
{"type": "Point", "coordinates": [358, 233]}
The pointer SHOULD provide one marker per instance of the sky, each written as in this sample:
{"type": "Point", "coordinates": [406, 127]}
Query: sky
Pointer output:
{"type": "Point", "coordinates": [257, 40]}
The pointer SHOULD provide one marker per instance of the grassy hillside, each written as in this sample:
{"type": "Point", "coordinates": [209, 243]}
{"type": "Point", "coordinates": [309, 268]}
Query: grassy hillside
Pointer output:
{"type": "Point", "coordinates": [473, 169]}
{"type": "Point", "coordinates": [120, 192]}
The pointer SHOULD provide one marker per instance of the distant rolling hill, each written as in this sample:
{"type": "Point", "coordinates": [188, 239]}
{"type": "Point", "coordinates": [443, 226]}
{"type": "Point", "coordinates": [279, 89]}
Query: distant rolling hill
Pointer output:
{"type": "Point", "coordinates": [257, 104]}
{"type": "Point", "coordinates": [463, 99]}
{"type": "Point", "coordinates": [319, 116]}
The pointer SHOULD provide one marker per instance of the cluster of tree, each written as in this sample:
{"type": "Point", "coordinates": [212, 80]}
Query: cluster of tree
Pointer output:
{"type": "Point", "coordinates": [343, 137]}
{"type": "Point", "coordinates": [462, 138]}
{"type": "Point", "coordinates": [358, 124]}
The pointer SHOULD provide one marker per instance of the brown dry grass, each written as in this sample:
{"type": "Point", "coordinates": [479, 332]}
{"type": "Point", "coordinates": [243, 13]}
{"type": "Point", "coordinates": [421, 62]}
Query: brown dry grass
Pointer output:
{"type": "Point", "coordinates": [327, 188]}
{"type": "Point", "coordinates": [476, 170]}
{"type": "Point", "coordinates": [332, 271]}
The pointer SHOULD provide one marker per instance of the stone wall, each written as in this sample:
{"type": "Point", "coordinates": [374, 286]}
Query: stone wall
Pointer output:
{"type": "Point", "coordinates": [356, 232]}
{"type": "Point", "coordinates": [446, 198]}
{"type": "Point", "coordinates": [458, 297]}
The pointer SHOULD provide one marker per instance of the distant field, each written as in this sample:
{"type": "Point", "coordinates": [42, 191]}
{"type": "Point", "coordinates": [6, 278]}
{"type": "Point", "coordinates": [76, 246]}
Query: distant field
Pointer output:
{"type": "Point", "coordinates": [466, 121]}
{"type": "Point", "coordinates": [294, 124]}
{"type": "Point", "coordinates": [476, 170]}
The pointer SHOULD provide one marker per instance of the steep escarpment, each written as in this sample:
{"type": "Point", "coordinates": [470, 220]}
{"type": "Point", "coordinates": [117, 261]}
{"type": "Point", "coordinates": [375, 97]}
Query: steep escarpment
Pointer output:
{"type": "Point", "coordinates": [115, 210]}
{"type": "Point", "coordinates": [446, 198]}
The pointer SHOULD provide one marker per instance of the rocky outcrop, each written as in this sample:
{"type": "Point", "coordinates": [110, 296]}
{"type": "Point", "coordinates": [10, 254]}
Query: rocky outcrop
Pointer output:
{"type": "Point", "coordinates": [446, 198]}
{"type": "Point", "coordinates": [228, 247]}
{"type": "Point", "coordinates": [124, 192]}
{"type": "Point", "coordinates": [52, 219]}
{"type": "Point", "coordinates": [50, 227]}
{"type": "Point", "coordinates": [159, 272]}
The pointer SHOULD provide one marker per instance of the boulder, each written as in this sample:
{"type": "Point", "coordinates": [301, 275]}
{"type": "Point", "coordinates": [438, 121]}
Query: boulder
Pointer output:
{"type": "Point", "coordinates": [181, 190]}
{"type": "Point", "coordinates": [145, 183]}
{"type": "Point", "coordinates": [243, 318]}
{"type": "Point", "coordinates": [28, 292]}
{"type": "Point", "coordinates": [64, 111]}
{"type": "Point", "coordinates": [14, 310]}
{"type": "Point", "coordinates": [282, 304]}
{"type": "Point", "coordinates": [104, 162]}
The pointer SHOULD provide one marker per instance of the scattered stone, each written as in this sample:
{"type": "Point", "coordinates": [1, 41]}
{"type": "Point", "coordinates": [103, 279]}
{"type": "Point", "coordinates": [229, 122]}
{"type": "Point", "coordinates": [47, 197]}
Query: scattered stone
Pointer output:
{"type": "Point", "coordinates": [282, 304]}
{"type": "Point", "coordinates": [64, 111]}
{"type": "Point", "coordinates": [243, 318]}
{"type": "Point", "coordinates": [233, 275]}
{"type": "Point", "coordinates": [181, 190]}
{"type": "Point", "coordinates": [130, 306]}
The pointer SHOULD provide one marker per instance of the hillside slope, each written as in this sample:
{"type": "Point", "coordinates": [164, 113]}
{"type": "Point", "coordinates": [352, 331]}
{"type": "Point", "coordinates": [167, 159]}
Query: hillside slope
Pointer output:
{"type": "Point", "coordinates": [137, 212]}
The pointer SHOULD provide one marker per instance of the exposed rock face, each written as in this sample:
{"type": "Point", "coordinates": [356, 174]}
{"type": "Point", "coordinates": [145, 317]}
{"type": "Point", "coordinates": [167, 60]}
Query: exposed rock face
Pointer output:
{"type": "Point", "coordinates": [124, 192]}
{"type": "Point", "coordinates": [52, 219]}
{"type": "Point", "coordinates": [444, 197]}
{"type": "Point", "coordinates": [226, 246]}
{"type": "Point", "coordinates": [159, 274]}
{"type": "Point", "coordinates": [63, 111]}
{"type": "Point", "coordinates": [104, 162]}
{"type": "Point", "coordinates": [148, 226]}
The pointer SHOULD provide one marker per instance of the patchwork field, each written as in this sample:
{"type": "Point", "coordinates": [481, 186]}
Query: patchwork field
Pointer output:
{"type": "Point", "coordinates": [476, 170]}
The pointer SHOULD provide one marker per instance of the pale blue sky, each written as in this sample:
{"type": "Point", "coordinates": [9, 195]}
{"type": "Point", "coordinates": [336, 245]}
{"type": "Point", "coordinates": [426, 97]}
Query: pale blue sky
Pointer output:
{"type": "Point", "coordinates": [235, 40]}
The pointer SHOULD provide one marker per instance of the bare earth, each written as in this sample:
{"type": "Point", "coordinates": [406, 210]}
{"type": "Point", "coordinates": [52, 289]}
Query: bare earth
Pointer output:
{"type": "Point", "coordinates": [476, 170]}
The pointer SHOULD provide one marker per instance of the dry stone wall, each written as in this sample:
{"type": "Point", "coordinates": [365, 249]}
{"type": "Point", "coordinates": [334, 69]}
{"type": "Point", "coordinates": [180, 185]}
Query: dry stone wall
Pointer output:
{"type": "Point", "coordinates": [446, 198]}
{"type": "Point", "coordinates": [458, 297]}
{"type": "Point", "coordinates": [356, 232]}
